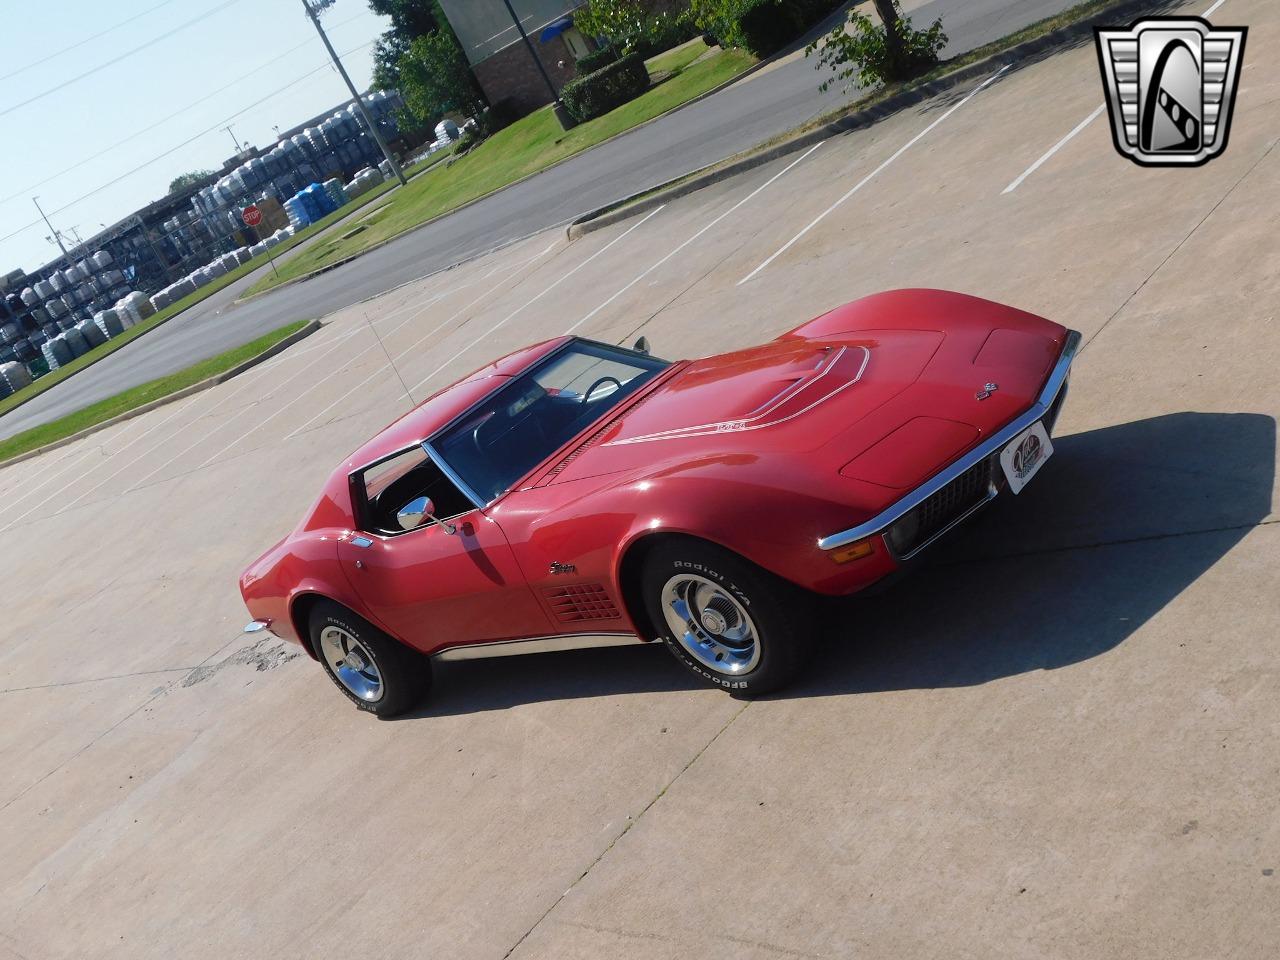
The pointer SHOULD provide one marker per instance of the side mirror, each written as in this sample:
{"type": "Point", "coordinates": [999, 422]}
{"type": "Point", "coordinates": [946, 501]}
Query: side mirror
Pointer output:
{"type": "Point", "coordinates": [414, 513]}
{"type": "Point", "coordinates": [417, 512]}
{"type": "Point", "coordinates": [642, 346]}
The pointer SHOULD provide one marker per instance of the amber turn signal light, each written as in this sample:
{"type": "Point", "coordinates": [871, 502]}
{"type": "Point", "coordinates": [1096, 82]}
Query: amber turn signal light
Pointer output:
{"type": "Point", "coordinates": [855, 551]}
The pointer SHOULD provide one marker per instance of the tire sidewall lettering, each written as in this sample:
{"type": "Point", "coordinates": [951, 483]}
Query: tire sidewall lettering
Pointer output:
{"type": "Point", "coordinates": [711, 572]}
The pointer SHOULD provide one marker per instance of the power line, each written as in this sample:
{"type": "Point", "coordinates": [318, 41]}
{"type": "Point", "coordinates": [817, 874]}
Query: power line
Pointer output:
{"type": "Point", "coordinates": [114, 60]}
{"type": "Point", "coordinates": [80, 43]}
{"type": "Point", "coordinates": [217, 126]}
{"type": "Point", "coordinates": [26, 191]}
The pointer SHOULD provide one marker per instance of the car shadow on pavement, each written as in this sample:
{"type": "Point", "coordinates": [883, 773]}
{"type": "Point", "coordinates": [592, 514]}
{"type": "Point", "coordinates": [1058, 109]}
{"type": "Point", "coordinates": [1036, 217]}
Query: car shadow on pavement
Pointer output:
{"type": "Point", "coordinates": [1119, 522]}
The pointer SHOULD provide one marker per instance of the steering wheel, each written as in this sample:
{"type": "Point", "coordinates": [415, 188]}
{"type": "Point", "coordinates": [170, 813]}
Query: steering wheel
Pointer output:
{"type": "Point", "coordinates": [592, 389]}
{"type": "Point", "coordinates": [482, 446]}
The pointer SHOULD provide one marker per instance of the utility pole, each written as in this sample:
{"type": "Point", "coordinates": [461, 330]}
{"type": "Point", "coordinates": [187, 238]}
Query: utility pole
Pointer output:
{"type": "Point", "coordinates": [56, 235]}
{"type": "Point", "coordinates": [314, 8]}
{"type": "Point", "coordinates": [239, 150]}
{"type": "Point", "coordinates": [557, 106]}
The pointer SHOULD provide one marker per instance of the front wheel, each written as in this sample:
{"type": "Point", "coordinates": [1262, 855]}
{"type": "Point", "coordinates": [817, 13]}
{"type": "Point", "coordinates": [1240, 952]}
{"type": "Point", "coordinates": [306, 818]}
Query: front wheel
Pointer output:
{"type": "Point", "coordinates": [728, 621]}
{"type": "Point", "coordinates": [374, 671]}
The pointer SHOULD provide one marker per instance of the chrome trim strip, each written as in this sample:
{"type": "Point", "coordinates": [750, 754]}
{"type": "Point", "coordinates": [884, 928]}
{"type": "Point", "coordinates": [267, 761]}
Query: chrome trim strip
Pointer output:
{"type": "Point", "coordinates": [992, 490]}
{"type": "Point", "coordinates": [878, 523]}
{"type": "Point", "coordinates": [452, 474]}
{"type": "Point", "coordinates": [511, 648]}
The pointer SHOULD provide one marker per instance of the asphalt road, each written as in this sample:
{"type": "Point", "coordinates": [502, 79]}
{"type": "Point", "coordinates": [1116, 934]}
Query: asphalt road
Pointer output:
{"type": "Point", "coordinates": [770, 103]}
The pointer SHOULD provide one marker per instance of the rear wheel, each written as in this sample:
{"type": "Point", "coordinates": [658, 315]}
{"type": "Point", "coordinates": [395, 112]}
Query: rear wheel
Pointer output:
{"type": "Point", "coordinates": [728, 621]}
{"type": "Point", "coordinates": [374, 671]}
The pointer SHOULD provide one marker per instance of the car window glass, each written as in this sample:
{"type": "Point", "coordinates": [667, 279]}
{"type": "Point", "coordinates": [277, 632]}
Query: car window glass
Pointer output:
{"type": "Point", "coordinates": [510, 433]}
{"type": "Point", "coordinates": [386, 487]}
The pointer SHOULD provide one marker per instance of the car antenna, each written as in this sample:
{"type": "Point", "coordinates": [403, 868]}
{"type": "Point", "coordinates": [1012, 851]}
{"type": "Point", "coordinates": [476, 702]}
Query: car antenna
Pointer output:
{"type": "Point", "coordinates": [394, 369]}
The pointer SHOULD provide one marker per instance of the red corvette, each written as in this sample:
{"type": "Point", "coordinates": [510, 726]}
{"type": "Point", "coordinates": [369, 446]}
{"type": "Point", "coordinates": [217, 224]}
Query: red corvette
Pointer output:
{"type": "Point", "coordinates": [578, 494]}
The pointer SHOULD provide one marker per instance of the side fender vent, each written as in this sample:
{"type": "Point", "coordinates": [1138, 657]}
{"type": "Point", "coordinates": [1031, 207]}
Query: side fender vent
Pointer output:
{"type": "Point", "coordinates": [581, 601]}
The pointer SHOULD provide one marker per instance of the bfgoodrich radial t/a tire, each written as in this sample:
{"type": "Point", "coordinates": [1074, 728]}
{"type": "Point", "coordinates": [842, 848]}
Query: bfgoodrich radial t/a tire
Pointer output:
{"type": "Point", "coordinates": [728, 621]}
{"type": "Point", "coordinates": [374, 671]}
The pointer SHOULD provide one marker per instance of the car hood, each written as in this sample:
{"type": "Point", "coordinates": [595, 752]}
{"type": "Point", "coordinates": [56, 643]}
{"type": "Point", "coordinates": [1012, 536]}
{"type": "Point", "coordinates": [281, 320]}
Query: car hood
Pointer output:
{"type": "Point", "coordinates": [783, 397]}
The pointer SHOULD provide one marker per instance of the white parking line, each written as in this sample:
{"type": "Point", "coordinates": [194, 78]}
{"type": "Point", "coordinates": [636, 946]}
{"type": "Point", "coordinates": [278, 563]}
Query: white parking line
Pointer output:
{"type": "Point", "coordinates": [870, 176]}
{"type": "Point", "coordinates": [1054, 149]}
{"type": "Point", "coordinates": [249, 379]}
{"type": "Point", "coordinates": [249, 409]}
{"type": "Point", "coordinates": [182, 408]}
{"type": "Point", "coordinates": [350, 360]}
{"type": "Point", "coordinates": [417, 343]}
{"type": "Point", "coordinates": [1017, 182]}
{"type": "Point", "coordinates": [42, 466]}
{"type": "Point", "coordinates": [78, 460]}
{"type": "Point", "coordinates": [758, 190]}
{"type": "Point", "coordinates": [534, 299]}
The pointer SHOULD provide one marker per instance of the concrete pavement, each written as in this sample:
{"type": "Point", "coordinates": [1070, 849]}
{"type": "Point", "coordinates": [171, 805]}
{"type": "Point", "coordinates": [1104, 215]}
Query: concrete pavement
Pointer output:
{"type": "Point", "coordinates": [1055, 740]}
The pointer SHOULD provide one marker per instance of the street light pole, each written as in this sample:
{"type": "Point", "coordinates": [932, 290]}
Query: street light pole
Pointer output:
{"type": "Point", "coordinates": [314, 8]}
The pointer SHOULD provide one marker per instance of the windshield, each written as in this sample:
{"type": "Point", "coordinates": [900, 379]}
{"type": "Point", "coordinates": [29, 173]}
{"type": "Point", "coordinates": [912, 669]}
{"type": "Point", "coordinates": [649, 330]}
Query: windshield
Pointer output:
{"type": "Point", "coordinates": [510, 433]}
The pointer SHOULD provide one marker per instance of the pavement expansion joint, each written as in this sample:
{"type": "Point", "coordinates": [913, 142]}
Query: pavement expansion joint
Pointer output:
{"type": "Point", "coordinates": [631, 822]}
{"type": "Point", "coordinates": [1178, 246]}
{"type": "Point", "coordinates": [115, 676]}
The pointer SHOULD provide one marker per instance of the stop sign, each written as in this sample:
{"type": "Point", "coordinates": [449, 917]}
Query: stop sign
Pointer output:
{"type": "Point", "coordinates": [252, 216]}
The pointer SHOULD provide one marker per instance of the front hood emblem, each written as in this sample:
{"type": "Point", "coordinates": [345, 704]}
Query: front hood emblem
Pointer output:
{"type": "Point", "coordinates": [987, 390]}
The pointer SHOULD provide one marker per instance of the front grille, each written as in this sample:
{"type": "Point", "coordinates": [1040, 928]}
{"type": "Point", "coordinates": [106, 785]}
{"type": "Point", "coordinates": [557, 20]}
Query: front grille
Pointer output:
{"type": "Point", "coordinates": [941, 510]}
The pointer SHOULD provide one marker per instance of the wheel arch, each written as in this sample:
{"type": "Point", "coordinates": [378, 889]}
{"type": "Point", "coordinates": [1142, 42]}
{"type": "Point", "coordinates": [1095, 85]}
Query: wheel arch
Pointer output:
{"type": "Point", "coordinates": [300, 607]}
{"type": "Point", "coordinates": [630, 572]}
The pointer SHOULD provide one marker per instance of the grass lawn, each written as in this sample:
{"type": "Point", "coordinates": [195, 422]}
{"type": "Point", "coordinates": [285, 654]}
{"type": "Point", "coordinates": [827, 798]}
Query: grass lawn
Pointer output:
{"type": "Point", "coordinates": [132, 399]}
{"type": "Point", "coordinates": [93, 356]}
{"type": "Point", "coordinates": [677, 58]}
{"type": "Point", "coordinates": [523, 148]}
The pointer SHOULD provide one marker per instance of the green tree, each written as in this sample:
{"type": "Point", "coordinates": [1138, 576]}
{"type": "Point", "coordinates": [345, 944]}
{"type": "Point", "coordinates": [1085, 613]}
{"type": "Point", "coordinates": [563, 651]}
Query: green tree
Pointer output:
{"type": "Point", "coordinates": [435, 78]}
{"type": "Point", "coordinates": [632, 25]}
{"type": "Point", "coordinates": [870, 52]}
{"type": "Point", "coordinates": [410, 18]}
{"type": "Point", "coordinates": [181, 183]}
{"type": "Point", "coordinates": [387, 51]}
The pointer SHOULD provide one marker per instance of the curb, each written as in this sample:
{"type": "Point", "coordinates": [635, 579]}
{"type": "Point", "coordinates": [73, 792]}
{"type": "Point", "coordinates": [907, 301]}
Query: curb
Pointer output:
{"type": "Point", "coordinates": [213, 381]}
{"type": "Point", "coordinates": [697, 179]}
{"type": "Point", "coordinates": [507, 186]}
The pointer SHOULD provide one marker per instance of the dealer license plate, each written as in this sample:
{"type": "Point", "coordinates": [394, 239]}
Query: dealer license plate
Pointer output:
{"type": "Point", "coordinates": [1024, 455]}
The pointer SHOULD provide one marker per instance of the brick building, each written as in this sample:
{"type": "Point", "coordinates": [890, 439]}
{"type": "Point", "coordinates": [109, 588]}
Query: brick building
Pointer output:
{"type": "Point", "coordinates": [499, 57]}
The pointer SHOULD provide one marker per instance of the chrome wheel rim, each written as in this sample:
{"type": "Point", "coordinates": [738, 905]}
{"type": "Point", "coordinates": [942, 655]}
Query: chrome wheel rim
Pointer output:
{"type": "Point", "coordinates": [350, 662]}
{"type": "Point", "coordinates": [711, 625]}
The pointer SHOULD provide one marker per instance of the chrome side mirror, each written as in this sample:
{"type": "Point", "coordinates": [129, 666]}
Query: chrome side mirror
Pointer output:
{"type": "Point", "coordinates": [417, 512]}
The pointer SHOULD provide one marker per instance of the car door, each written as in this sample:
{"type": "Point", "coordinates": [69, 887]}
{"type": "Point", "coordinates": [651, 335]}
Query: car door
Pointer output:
{"type": "Point", "coordinates": [435, 589]}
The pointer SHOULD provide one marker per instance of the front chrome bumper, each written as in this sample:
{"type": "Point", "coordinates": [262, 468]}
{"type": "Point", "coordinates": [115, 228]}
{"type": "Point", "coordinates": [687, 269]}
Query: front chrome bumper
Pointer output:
{"type": "Point", "coordinates": [992, 445]}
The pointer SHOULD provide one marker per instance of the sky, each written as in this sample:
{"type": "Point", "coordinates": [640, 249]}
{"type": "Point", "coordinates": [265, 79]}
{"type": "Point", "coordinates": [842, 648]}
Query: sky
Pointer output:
{"type": "Point", "coordinates": [124, 127]}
